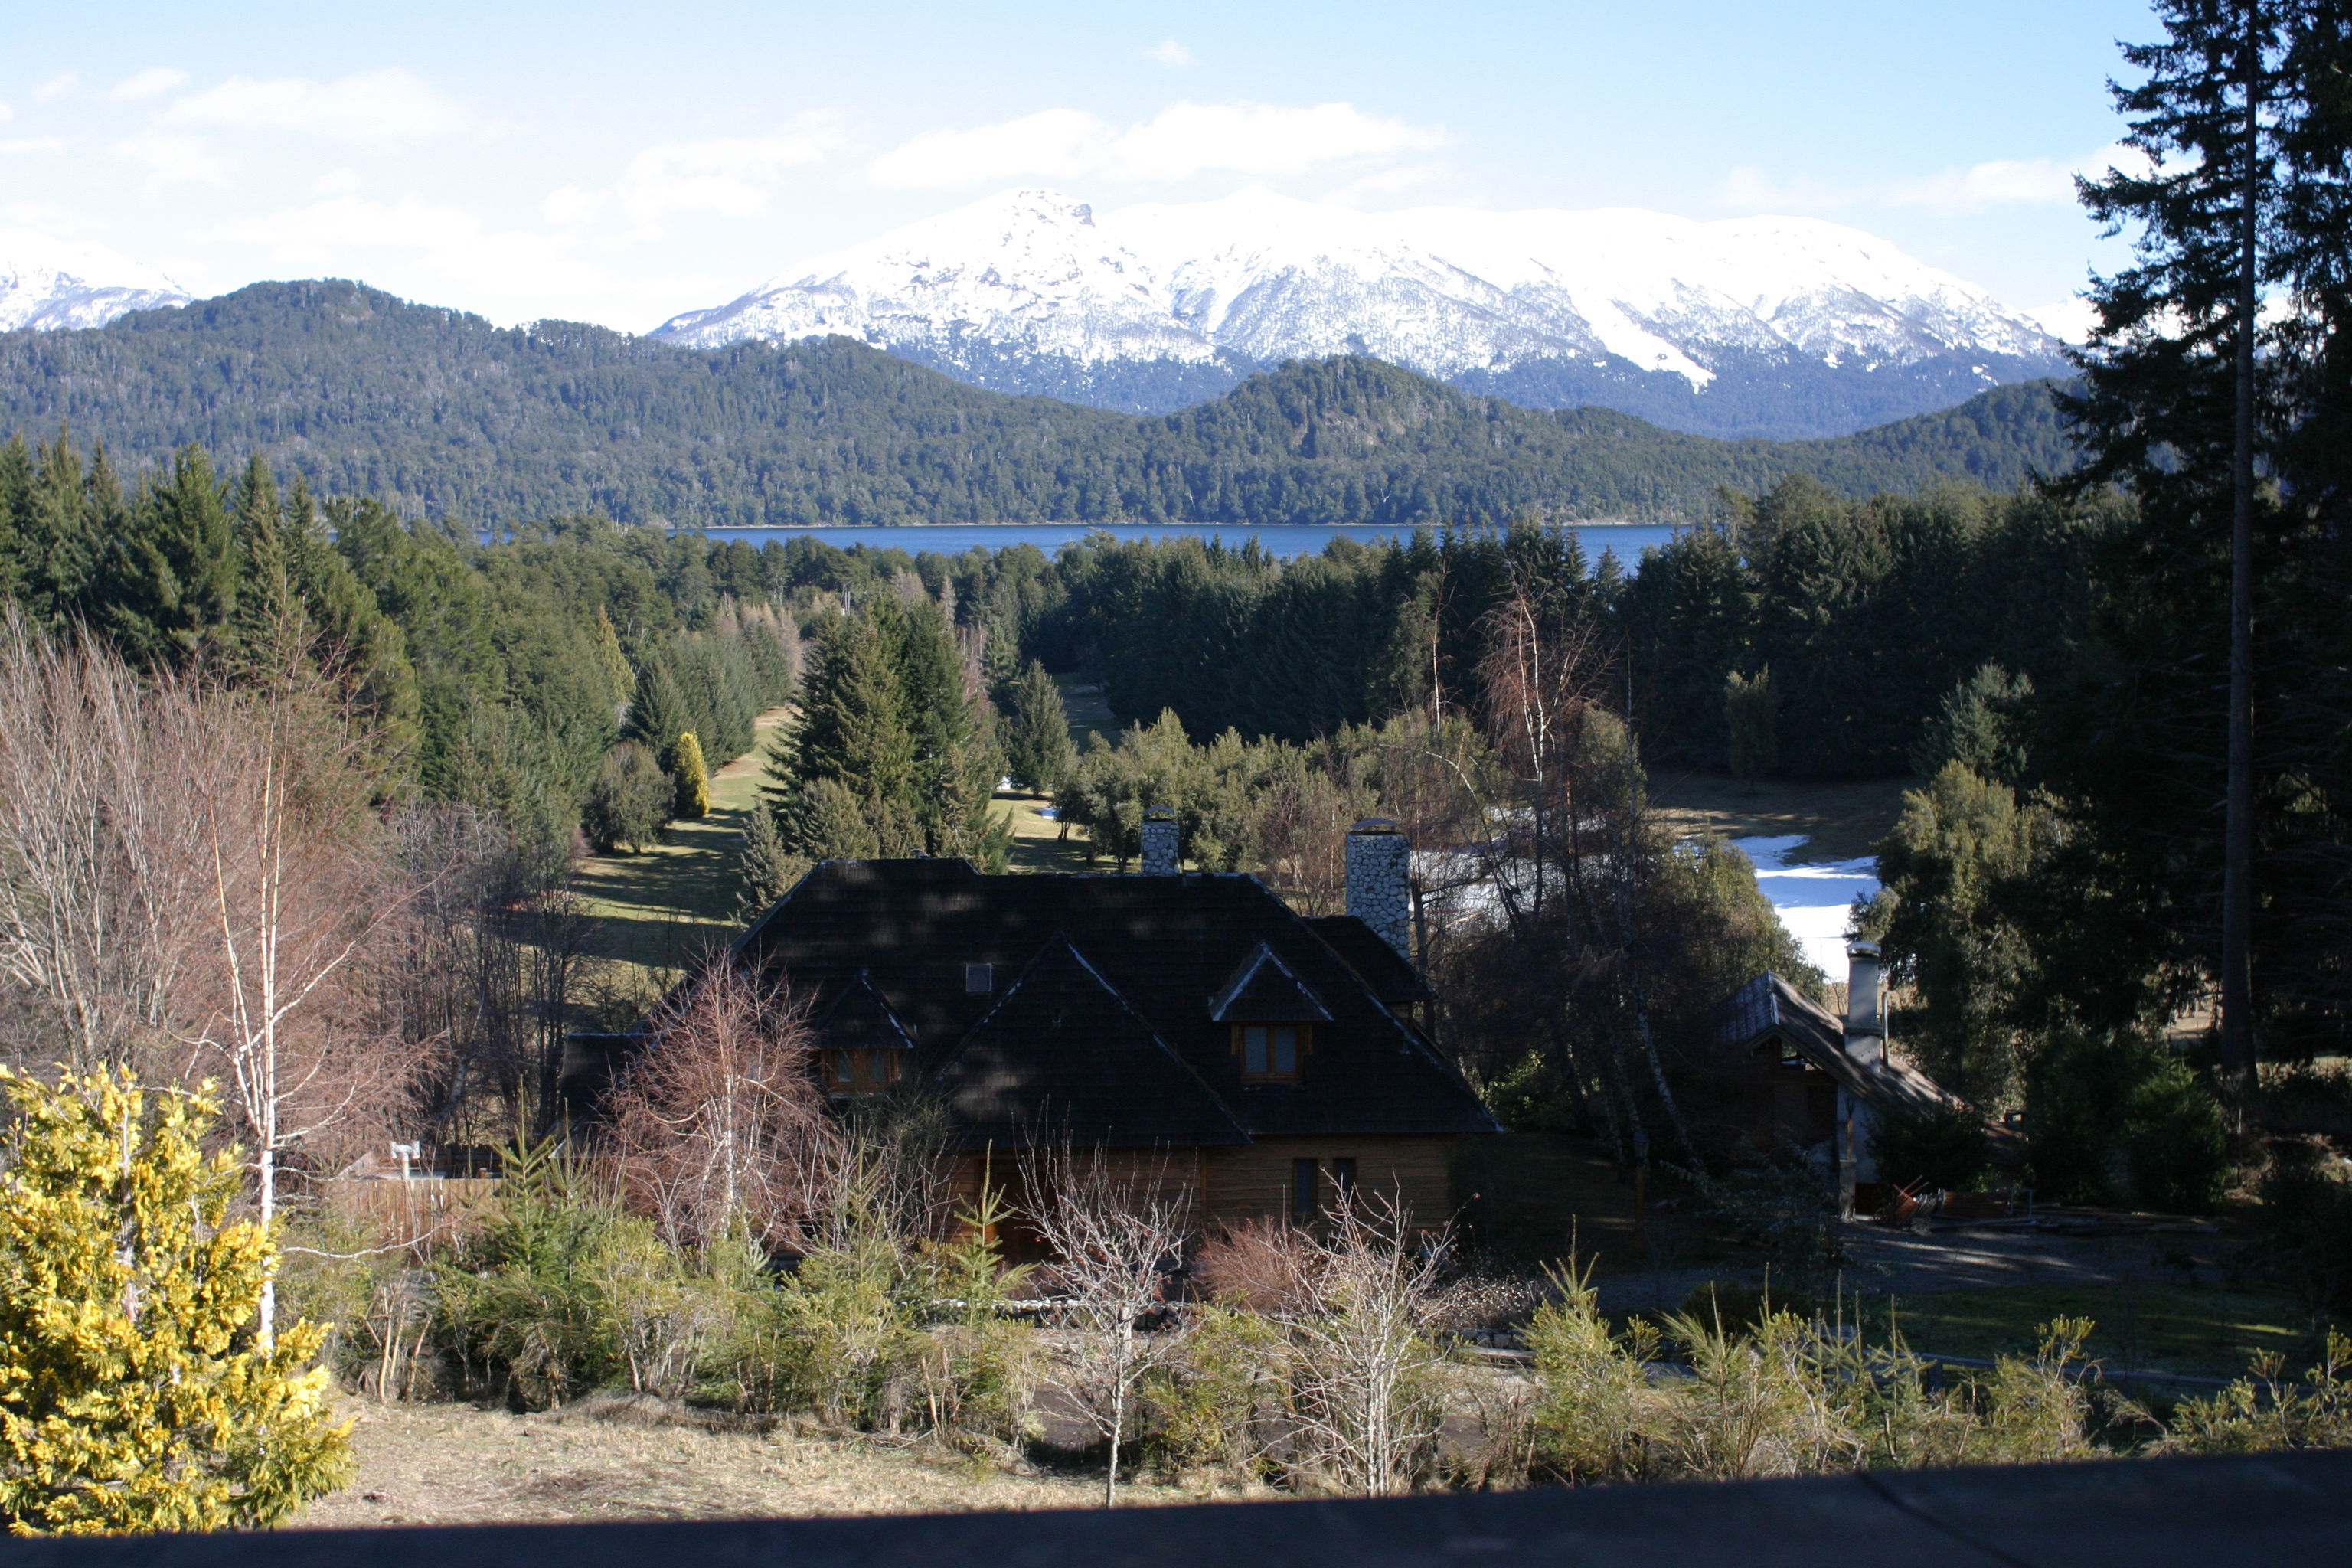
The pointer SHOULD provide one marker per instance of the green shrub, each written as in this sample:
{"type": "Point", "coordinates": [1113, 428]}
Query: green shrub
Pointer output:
{"type": "Point", "coordinates": [2116, 1117]}
{"type": "Point", "coordinates": [1947, 1148]}
{"type": "Point", "coordinates": [519, 1301]}
{"type": "Point", "coordinates": [2305, 1219]}
{"type": "Point", "coordinates": [630, 802]}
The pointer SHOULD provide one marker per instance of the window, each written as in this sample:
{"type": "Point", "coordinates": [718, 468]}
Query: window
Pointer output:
{"type": "Point", "coordinates": [1343, 1182]}
{"type": "Point", "coordinates": [864, 1071]}
{"type": "Point", "coordinates": [979, 979]}
{"type": "Point", "coordinates": [1270, 1053]}
{"type": "Point", "coordinates": [1306, 1190]}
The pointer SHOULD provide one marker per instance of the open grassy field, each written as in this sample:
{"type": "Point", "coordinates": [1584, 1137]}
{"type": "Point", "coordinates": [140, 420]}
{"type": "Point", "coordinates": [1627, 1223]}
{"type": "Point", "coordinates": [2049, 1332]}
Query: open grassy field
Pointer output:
{"type": "Point", "coordinates": [659, 908]}
{"type": "Point", "coordinates": [1839, 820]}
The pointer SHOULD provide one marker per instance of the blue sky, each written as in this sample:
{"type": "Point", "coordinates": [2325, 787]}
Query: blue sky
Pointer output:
{"type": "Point", "coordinates": [620, 163]}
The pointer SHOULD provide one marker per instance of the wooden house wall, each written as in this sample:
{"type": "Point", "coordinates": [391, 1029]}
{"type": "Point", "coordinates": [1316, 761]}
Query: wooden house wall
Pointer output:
{"type": "Point", "coordinates": [1229, 1186]}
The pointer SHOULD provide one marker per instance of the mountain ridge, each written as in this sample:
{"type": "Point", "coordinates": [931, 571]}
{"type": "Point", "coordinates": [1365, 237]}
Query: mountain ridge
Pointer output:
{"type": "Point", "coordinates": [443, 413]}
{"type": "Point", "coordinates": [1780, 326]}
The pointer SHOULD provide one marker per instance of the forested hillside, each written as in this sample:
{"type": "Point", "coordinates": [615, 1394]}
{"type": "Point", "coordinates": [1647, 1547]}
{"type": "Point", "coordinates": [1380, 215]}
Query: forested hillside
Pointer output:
{"type": "Point", "coordinates": [438, 412]}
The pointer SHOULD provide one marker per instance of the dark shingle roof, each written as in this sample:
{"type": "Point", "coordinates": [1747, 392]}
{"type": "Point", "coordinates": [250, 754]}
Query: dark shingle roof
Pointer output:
{"type": "Point", "coordinates": [1264, 991]}
{"type": "Point", "coordinates": [1769, 1007]}
{"type": "Point", "coordinates": [1392, 979]}
{"type": "Point", "coordinates": [1063, 1058]}
{"type": "Point", "coordinates": [1165, 946]}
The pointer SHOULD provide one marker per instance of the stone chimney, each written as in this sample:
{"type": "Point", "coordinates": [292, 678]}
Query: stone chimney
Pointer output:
{"type": "Point", "coordinates": [1160, 842]}
{"type": "Point", "coordinates": [1866, 1004]}
{"type": "Point", "coordinates": [1379, 874]}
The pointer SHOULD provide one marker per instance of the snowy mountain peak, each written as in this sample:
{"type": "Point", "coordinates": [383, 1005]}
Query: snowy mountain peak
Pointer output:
{"type": "Point", "coordinates": [49, 284]}
{"type": "Point", "coordinates": [1763, 325]}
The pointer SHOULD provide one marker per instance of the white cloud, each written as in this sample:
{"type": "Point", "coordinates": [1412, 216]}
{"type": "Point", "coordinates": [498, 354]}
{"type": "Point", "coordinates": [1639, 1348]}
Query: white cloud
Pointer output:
{"type": "Point", "coordinates": [24, 145]}
{"type": "Point", "coordinates": [1168, 52]}
{"type": "Point", "coordinates": [730, 175]}
{"type": "Point", "coordinates": [1180, 141]}
{"type": "Point", "coordinates": [1751, 187]}
{"type": "Point", "coordinates": [56, 87]}
{"type": "Point", "coordinates": [175, 160]}
{"type": "Point", "coordinates": [2001, 183]}
{"type": "Point", "coordinates": [372, 106]}
{"type": "Point", "coordinates": [446, 242]}
{"type": "Point", "coordinates": [2070, 320]}
{"type": "Point", "coordinates": [1052, 142]}
{"type": "Point", "coordinates": [148, 83]}
{"type": "Point", "coordinates": [1996, 183]}
{"type": "Point", "coordinates": [1188, 139]}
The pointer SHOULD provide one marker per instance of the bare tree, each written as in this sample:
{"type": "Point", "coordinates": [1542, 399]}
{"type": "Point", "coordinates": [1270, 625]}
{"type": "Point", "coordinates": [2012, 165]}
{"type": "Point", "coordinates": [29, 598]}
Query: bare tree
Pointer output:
{"type": "Point", "coordinates": [100, 898]}
{"type": "Point", "coordinates": [1364, 1355]}
{"type": "Point", "coordinates": [1112, 1239]}
{"type": "Point", "coordinates": [719, 1121]}
{"type": "Point", "coordinates": [296, 896]}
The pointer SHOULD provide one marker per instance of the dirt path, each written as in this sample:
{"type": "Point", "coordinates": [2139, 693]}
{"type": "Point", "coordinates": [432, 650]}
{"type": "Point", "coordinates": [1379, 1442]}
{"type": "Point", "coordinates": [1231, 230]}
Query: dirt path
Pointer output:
{"type": "Point", "coordinates": [456, 1464]}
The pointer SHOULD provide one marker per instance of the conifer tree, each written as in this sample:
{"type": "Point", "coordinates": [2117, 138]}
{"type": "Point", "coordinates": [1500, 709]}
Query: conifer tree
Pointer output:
{"type": "Point", "coordinates": [692, 778]}
{"type": "Point", "coordinates": [135, 1391]}
{"type": "Point", "coordinates": [2173, 409]}
{"type": "Point", "coordinates": [618, 675]}
{"type": "Point", "coordinates": [170, 578]}
{"type": "Point", "coordinates": [1037, 749]}
{"type": "Point", "coordinates": [660, 715]}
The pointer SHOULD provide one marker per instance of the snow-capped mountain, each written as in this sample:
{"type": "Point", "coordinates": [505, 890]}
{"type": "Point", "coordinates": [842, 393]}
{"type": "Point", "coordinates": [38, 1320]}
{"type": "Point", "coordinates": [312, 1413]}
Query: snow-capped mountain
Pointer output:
{"type": "Point", "coordinates": [53, 284]}
{"type": "Point", "coordinates": [1767, 326]}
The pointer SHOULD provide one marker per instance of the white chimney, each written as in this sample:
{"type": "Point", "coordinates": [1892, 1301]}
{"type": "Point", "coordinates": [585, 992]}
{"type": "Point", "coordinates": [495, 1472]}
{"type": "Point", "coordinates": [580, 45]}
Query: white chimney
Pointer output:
{"type": "Point", "coordinates": [1160, 842]}
{"type": "Point", "coordinates": [1380, 878]}
{"type": "Point", "coordinates": [1866, 1004]}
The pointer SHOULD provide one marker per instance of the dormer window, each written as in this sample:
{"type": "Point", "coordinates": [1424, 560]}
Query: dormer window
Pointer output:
{"type": "Point", "coordinates": [864, 1070]}
{"type": "Point", "coordinates": [1270, 1053]}
{"type": "Point", "coordinates": [979, 979]}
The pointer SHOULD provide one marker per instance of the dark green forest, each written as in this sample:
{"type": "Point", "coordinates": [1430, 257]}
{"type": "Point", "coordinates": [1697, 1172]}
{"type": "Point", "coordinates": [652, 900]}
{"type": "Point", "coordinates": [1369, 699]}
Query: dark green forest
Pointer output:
{"type": "Point", "coordinates": [438, 413]}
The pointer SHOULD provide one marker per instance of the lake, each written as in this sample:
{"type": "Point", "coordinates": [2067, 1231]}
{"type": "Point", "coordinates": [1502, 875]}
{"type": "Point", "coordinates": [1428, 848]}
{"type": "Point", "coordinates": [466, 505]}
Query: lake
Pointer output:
{"type": "Point", "coordinates": [1628, 539]}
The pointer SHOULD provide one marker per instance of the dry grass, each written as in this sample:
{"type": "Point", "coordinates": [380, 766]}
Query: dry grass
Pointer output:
{"type": "Point", "coordinates": [458, 1463]}
{"type": "Point", "coordinates": [1838, 820]}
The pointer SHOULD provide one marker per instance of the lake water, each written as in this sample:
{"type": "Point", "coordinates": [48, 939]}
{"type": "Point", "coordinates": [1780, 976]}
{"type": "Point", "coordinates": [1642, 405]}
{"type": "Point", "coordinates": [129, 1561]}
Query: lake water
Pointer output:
{"type": "Point", "coordinates": [1812, 901]}
{"type": "Point", "coordinates": [1627, 540]}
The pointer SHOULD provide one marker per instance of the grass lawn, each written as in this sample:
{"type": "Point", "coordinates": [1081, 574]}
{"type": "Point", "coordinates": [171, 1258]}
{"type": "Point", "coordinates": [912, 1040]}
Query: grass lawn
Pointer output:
{"type": "Point", "coordinates": [658, 909]}
{"type": "Point", "coordinates": [1037, 841]}
{"type": "Point", "coordinates": [2201, 1330]}
{"type": "Point", "coordinates": [1838, 820]}
{"type": "Point", "coordinates": [1089, 714]}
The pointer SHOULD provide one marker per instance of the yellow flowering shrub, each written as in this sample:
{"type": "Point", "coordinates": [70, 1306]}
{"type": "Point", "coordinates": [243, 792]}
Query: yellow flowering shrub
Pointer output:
{"type": "Point", "coordinates": [134, 1394]}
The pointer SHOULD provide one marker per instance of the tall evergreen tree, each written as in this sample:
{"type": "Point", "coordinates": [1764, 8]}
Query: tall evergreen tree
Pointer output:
{"type": "Point", "coordinates": [2174, 409]}
{"type": "Point", "coordinates": [1037, 749]}
{"type": "Point", "coordinates": [171, 576]}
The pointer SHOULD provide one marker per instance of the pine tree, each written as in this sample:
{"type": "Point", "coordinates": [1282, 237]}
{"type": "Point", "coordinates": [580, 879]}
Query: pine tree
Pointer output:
{"type": "Point", "coordinates": [134, 1391]}
{"type": "Point", "coordinates": [692, 778]}
{"type": "Point", "coordinates": [2174, 410]}
{"type": "Point", "coordinates": [660, 715]}
{"type": "Point", "coordinates": [767, 868]}
{"type": "Point", "coordinates": [852, 731]}
{"type": "Point", "coordinates": [1037, 749]}
{"type": "Point", "coordinates": [170, 578]}
{"type": "Point", "coordinates": [618, 677]}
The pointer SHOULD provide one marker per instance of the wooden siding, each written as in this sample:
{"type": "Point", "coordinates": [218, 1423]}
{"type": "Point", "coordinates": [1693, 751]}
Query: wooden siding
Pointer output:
{"type": "Point", "coordinates": [1230, 1185]}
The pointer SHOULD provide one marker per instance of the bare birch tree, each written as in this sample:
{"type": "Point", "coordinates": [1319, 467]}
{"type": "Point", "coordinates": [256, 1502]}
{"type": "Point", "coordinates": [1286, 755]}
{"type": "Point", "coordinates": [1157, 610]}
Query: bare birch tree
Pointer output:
{"type": "Point", "coordinates": [1364, 1357]}
{"type": "Point", "coordinates": [294, 901]}
{"type": "Point", "coordinates": [1112, 1240]}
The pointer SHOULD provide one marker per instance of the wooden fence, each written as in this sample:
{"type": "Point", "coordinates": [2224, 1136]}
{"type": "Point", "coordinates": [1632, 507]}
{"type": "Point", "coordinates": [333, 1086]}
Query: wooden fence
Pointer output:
{"type": "Point", "coordinates": [419, 1208]}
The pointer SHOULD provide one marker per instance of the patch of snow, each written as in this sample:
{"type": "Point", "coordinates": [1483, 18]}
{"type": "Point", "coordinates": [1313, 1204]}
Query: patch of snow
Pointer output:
{"type": "Point", "coordinates": [1813, 903]}
{"type": "Point", "coordinates": [1441, 290]}
{"type": "Point", "coordinates": [54, 285]}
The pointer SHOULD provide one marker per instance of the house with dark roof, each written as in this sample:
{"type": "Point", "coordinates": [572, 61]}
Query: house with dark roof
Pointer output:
{"type": "Point", "coordinates": [1817, 1083]}
{"type": "Point", "coordinates": [1187, 1022]}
